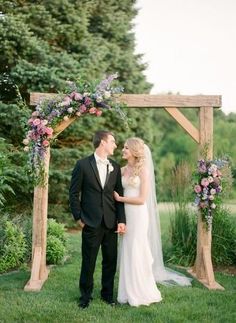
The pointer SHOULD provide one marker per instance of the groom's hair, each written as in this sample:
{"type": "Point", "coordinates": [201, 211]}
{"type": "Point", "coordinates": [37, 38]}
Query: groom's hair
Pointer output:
{"type": "Point", "coordinates": [99, 136]}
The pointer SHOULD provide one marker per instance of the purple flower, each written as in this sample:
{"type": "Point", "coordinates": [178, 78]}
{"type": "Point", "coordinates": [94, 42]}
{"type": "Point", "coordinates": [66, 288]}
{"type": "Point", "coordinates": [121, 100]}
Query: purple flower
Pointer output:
{"type": "Point", "coordinates": [82, 108]}
{"type": "Point", "coordinates": [87, 101]}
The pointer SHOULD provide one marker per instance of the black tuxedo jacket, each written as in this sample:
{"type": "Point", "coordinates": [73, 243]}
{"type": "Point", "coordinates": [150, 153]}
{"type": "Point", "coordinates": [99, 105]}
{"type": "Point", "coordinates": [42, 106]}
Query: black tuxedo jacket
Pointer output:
{"type": "Point", "coordinates": [89, 201]}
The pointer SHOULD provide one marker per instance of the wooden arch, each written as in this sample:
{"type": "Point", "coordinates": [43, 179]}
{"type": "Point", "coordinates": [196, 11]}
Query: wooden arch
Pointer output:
{"type": "Point", "coordinates": [203, 269]}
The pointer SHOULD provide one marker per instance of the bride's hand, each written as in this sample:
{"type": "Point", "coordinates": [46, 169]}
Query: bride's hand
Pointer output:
{"type": "Point", "coordinates": [116, 196]}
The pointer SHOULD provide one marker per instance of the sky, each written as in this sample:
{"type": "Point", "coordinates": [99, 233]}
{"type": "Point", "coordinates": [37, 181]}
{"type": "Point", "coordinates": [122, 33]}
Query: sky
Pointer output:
{"type": "Point", "coordinates": [189, 46]}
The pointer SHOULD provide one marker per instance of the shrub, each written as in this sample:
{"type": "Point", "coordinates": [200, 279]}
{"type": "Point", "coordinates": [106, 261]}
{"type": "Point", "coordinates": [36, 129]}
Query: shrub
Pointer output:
{"type": "Point", "coordinates": [183, 230]}
{"type": "Point", "coordinates": [13, 246]}
{"type": "Point", "coordinates": [223, 238]}
{"type": "Point", "coordinates": [56, 229]}
{"type": "Point", "coordinates": [55, 242]}
{"type": "Point", "coordinates": [55, 250]}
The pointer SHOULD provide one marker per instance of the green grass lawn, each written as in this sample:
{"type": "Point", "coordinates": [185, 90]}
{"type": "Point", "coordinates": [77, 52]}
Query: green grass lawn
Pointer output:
{"type": "Point", "coordinates": [56, 302]}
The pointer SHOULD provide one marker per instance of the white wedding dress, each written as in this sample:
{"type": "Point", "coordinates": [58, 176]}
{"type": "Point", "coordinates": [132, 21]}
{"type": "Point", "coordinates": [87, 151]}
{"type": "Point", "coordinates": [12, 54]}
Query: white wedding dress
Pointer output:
{"type": "Point", "coordinates": [137, 284]}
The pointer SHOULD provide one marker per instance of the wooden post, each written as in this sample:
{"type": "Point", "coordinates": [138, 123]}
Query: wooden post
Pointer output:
{"type": "Point", "coordinates": [39, 271]}
{"type": "Point", "coordinates": [203, 269]}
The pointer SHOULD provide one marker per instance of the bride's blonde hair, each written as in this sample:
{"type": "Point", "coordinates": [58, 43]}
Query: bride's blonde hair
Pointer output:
{"type": "Point", "coordinates": [136, 147]}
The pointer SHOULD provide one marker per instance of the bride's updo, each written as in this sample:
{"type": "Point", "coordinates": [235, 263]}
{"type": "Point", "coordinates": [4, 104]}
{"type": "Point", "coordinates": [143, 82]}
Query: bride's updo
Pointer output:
{"type": "Point", "coordinates": [136, 147]}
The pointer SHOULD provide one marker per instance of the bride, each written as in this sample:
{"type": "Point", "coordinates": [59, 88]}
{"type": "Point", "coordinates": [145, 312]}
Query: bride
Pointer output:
{"type": "Point", "coordinates": [141, 260]}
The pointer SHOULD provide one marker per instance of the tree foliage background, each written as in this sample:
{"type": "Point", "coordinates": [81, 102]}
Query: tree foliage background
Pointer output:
{"type": "Point", "coordinates": [45, 43]}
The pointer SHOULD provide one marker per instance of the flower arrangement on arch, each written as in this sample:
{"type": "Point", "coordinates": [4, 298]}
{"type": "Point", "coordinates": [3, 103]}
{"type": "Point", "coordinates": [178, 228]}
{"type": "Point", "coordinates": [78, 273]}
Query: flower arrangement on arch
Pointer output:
{"type": "Point", "coordinates": [80, 98]}
{"type": "Point", "coordinates": [208, 188]}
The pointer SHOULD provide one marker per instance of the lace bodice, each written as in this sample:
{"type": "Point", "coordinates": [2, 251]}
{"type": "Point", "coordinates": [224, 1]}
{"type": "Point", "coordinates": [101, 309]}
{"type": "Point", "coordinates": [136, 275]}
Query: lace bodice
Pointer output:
{"type": "Point", "coordinates": [131, 186]}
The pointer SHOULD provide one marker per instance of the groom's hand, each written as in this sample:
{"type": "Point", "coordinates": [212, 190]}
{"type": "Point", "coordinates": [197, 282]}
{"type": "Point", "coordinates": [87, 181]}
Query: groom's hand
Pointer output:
{"type": "Point", "coordinates": [121, 228]}
{"type": "Point", "coordinates": [80, 223]}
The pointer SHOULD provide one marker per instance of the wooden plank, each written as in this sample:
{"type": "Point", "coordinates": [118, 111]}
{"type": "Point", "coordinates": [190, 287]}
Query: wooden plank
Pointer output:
{"type": "Point", "coordinates": [62, 126]}
{"type": "Point", "coordinates": [151, 101]}
{"type": "Point", "coordinates": [184, 123]}
{"type": "Point", "coordinates": [203, 269]}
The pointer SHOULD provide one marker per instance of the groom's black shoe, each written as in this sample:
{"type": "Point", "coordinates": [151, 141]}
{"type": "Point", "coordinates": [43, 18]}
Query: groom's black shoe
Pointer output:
{"type": "Point", "coordinates": [109, 301]}
{"type": "Point", "coordinates": [83, 305]}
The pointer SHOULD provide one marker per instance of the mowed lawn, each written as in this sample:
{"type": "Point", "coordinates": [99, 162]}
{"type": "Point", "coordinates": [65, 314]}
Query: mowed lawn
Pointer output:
{"type": "Point", "coordinates": [57, 301]}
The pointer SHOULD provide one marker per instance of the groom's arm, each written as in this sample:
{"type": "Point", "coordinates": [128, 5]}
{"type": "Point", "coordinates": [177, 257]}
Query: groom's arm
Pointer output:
{"type": "Point", "coordinates": [74, 192]}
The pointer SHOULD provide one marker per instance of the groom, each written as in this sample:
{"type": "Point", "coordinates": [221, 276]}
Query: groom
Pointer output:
{"type": "Point", "coordinates": [94, 180]}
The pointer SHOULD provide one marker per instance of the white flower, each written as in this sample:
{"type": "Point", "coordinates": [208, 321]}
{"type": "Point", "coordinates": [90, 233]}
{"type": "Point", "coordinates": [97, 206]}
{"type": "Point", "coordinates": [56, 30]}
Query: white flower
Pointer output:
{"type": "Point", "coordinates": [99, 99]}
{"type": "Point", "coordinates": [210, 179]}
{"type": "Point", "coordinates": [213, 191]}
{"type": "Point", "coordinates": [66, 118]}
{"type": "Point", "coordinates": [213, 206]}
{"type": "Point", "coordinates": [45, 122]}
{"type": "Point", "coordinates": [211, 197]}
{"type": "Point", "coordinates": [107, 94]}
{"type": "Point", "coordinates": [70, 110]}
{"type": "Point", "coordinates": [26, 141]}
{"type": "Point", "coordinates": [110, 168]}
{"type": "Point", "coordinates": [26, 148]}
{"type": "Point", "coordinates": [78, 114]}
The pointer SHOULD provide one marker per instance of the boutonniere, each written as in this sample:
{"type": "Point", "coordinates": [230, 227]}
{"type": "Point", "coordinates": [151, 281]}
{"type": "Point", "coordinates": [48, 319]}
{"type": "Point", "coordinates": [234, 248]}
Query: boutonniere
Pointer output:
{"type": "Point", "coordinates": [110, 168]}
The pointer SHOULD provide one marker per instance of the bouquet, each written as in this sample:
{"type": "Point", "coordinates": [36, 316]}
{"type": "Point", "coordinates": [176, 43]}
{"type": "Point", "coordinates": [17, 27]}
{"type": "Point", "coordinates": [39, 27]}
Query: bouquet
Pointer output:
{"type": "Point", "coordinates": [80, 98]}
{"type": "Point", "coordinates": [208, 188]}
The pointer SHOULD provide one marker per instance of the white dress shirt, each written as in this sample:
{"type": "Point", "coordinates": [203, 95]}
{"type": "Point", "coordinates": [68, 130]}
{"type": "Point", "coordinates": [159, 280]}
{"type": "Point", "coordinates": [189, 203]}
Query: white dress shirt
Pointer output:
{"type": "Point", "coordinates": [102, 168]}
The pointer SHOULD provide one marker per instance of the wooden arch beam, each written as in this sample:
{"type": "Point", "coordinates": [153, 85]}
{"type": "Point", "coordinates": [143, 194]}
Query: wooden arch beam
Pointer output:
{"type": "Point", "coordinates": [203, 269]}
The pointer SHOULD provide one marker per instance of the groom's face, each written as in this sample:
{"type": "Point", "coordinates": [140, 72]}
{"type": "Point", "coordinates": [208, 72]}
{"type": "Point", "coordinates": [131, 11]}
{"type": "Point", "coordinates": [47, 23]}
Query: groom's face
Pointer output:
{"type": "Point", "coordinates": [109, 145]}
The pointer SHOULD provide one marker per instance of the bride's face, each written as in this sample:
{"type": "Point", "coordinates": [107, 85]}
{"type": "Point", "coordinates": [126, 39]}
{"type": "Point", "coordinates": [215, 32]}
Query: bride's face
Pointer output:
{"type": "Point", "coordinates": [126, 153]}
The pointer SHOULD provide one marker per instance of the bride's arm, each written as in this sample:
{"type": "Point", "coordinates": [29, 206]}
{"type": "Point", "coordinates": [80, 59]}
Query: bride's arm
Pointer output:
{"type": "Point", "coordinates": [141, 198]}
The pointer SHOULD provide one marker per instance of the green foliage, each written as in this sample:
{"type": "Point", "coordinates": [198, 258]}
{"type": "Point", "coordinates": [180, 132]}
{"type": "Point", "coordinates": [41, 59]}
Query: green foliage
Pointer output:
{"type": "Point", "coordinates": [56, 241]}
{"type": "Point", "coordinates": [55, 250]}
{"type": "Point", "coordinates": [12, 246]}
{"type": "Point", "coordinates": [56, 229]}
{"type": "Point", "coordinates": [183, 230]}
{"type": "Point", "coordinates": [223, 238]}
{"type": "Point", "coordinates": [6, 172]}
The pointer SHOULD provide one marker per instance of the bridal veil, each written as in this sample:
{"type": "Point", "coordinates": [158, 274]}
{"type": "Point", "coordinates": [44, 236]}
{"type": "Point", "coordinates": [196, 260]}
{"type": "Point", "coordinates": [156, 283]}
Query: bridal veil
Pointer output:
{"type": "Point", "coordinates": [162, 274]}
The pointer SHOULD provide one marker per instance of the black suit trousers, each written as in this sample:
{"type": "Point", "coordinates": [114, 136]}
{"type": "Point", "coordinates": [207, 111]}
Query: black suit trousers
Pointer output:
{"type": "Point", "coordinates": [92, 239]}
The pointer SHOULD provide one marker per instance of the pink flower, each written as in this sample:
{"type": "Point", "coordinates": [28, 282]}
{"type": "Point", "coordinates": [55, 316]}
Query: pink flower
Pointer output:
{"type": "Point", "coordinates": [204, 182]}
{"type": "Point", "coordinates": [45, 143]}
{"type": "Point", "coordinates": [30, 121]}
{"type": "Point", "coordinates": [98, 113]}
{"type": "Point", "coordinates": [214, 174]}
{"type": "Point", "coordinates": [76, 96]}
{"type": "Point", "coordinates": [92, 110]}
{"type": "Point", "coordinates": [203, 205]}
{"type": "Point", "coordinates": [78, 114]}
{"type": "Point", "coordinates": [49, 131]}
{"type": "Point", "coordinates": [197, 188]}
{"type": "Point", "coordinates": [36, 122]}
{"type": "Point", "coordinates": [35, 114]}
{"type": "Point", "coordinates": [66, 101]}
